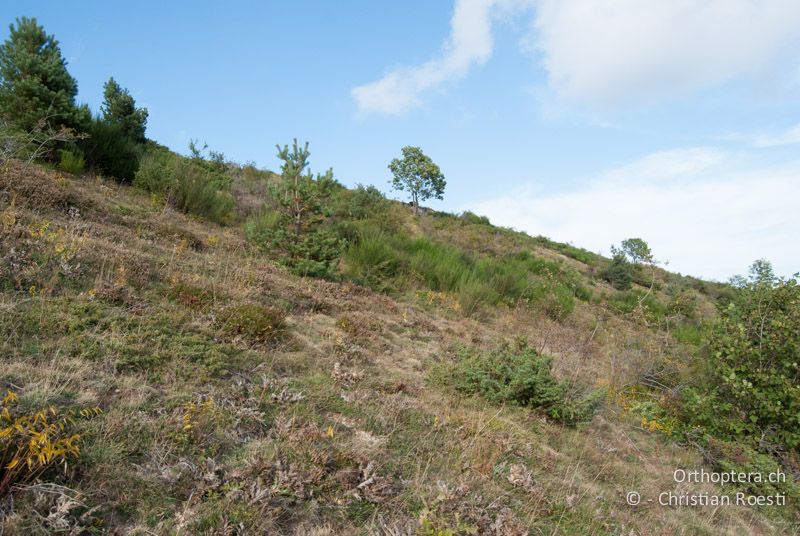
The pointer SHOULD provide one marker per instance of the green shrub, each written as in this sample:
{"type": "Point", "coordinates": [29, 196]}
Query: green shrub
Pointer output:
{"type": "Point", "coordinates": [619, 273]}
{"type": "Point", "coordinates": [558, 302]}
{"type": "Point", "coordinates": [688, 334]}
{"type": "Point", "coordinates": [523, 377]}
{"type": "Point", "coordinates": [683, 304]}
{"type": "Point", "coordinates": [371, 260]}
{"type": "Point", "coordinates": [582, 293]}
{"type": "Point", "coordinates": [734, 457]}
{"type": "Point", "coordinates": [254, 322]}
{"type": "Point", "coordinates": [71, 161]}
{"type": "Point", "coordinates": [579, 254]}
{"type": "Point", "coordinates": [261, 226]}
{"type": "Point", "coordinates": [314, 254]}
{"type": "Point", "coordinates": [194, 191]}
{"type": "Point", "coordinates": [189, 187]}
{"type": "Point", "coordinates": [384, 260]}
{"type": "Point", "coordinates": [753, 377]}
{"type": "Point", "coordinates": [628, 301]}
{"type": "Point", "coordinates": [441, 267]}
{"type": "Point", "coordinates": [154, 173]}
{"type": "Point", "coordinates": [474, 219]}
{"type": "Point", "coordinates": [109, 151]}
{"type": "Point", "coordinates": [366, 202]}
{"type": "Point", "coordinates": [473, 292]}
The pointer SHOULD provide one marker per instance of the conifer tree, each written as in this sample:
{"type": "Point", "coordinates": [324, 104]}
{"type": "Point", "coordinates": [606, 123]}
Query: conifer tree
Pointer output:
{"type": "Point", "coordinates": [119, 107]}
{"type": "Point", "coordinates": [34, 82]}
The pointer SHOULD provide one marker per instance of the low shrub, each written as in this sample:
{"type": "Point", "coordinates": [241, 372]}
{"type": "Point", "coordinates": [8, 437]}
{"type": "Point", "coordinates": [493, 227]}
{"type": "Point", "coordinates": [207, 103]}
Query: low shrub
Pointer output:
{"type": "Point", "coordinates": [154, 171]}
{"type": "Point", "coordinates": [254, 322]}
{"type": "Point", "coordinates": [631, 300]}
{"type": "Point", "coordinates": [109, 151]}
{"type": "Point", "coordinates": [557, 301]}
{"type": "Point", "coordinates": [33, 442]}
{"type": "Point", "coordinates": [688, 334]}
{"type": "Point", "coordinates": [366, 202]}
{"type": "Point", "coordinates": [71, 161]}
{"type": "Point", "coordinates": [195, 191]}
{"type": "Point", "coordinates": [186, 185]}
{"type": "Point", "coordinates": [474, 219]}
{"type": "Point", "coordinates": [371, 260]}
{"type": "Point", "coordinates": [191, 296]}
{"type": "Point", "coordinates": [261, 226]}
{"type": "Point", "coordinates": [473, 292]}
{"type": "Point", "coordinates": [582, 293]}
{"type": "Point", "coordinates": [619, 273]}
{"type": "Point", "coordinates": [523, 377]}
{"type": "Point", "coordinates": [314, 253]}
{"type": "Point", "coordinates": [579, 254]}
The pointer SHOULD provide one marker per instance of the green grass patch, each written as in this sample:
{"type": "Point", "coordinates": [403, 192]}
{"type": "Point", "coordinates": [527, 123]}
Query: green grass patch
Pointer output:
{"type": "Point", "coordinates": [387, 262]}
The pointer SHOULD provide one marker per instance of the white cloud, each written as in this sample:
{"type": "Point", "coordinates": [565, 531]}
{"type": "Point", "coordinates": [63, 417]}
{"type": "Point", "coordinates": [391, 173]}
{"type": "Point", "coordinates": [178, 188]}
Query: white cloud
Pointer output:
{"type": "Point", "coordinates": [601, 52]}
{"type": "Point", "coordinates": [609, 51]}
{"type": "Point", "coordinates": [765, 139]}
{"type": "Point", "coordinates": [469, 43]}
{"type": "Point", "coordinates": [695, 207]}
{"type": "Point", "coordinates": [789, 136]}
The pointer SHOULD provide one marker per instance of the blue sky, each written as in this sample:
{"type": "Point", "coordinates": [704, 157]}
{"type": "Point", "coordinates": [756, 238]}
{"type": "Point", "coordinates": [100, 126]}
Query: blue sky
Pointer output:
{"type": "Point", "coordinates": [585, 121]}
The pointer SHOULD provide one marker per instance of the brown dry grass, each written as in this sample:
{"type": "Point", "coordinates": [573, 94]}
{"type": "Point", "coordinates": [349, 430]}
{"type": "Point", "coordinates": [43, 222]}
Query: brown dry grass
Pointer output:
{"type": "Point", "coordinates": [335, 429]}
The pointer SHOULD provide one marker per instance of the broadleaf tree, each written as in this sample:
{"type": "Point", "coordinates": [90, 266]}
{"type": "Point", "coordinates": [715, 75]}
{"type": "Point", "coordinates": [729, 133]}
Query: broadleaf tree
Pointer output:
{"type": "Point", "coordinates": [637, 250]}
{"type": "Point", "coordinates": [417, 174]}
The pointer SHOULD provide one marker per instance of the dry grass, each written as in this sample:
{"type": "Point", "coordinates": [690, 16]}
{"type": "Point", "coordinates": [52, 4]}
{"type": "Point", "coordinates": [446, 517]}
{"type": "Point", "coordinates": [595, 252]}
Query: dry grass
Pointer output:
{"type": "Point", "coordinates": [333, 428]}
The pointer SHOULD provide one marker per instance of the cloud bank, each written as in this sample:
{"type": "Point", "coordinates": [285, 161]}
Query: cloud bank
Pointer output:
{"type": "Point", "coordinates": [695, 207]}
{"type": "Point", "coordinates": [601, 52]}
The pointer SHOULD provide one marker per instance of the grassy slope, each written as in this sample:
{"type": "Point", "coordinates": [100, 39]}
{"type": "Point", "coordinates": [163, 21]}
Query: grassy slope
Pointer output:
{"type": "Point", "coordinates": [109, 299]}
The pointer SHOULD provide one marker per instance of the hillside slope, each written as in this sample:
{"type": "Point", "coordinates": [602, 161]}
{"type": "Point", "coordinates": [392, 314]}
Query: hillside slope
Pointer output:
{"type": "Point", "coordinates": [237, 398]}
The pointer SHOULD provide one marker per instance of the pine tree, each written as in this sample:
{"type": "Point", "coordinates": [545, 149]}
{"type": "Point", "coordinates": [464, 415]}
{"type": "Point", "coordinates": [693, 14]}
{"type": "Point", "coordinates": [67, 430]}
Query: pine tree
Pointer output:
{"type": "Point", "coordinates": [302, 200]}
{"type": "Point", "coordinates": [119, 107]}
{"type": "Point", "coordinates": [34, 82]}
